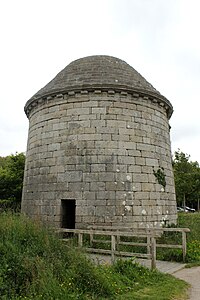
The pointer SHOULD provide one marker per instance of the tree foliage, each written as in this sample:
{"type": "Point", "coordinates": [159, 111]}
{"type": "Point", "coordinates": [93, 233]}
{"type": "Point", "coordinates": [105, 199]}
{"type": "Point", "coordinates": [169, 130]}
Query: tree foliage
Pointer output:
{"type": "Point", "coordinates": [11, 178]}
{"type": "Point", "coordinates": [187, 179]}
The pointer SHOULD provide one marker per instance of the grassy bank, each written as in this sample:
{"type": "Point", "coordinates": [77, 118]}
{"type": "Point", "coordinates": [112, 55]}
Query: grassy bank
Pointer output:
{"type": "Point", "coordinates": [34, 264]}
{"type": "Point", "coordinates": [186, 220]}
{"type": "Point", "coordinates": [191, 221]}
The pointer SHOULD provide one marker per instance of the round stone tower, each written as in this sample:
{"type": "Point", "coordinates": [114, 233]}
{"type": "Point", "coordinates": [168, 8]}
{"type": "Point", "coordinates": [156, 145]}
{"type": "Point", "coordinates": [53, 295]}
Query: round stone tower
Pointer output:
{"type": "Point", "coordinates": [99, 149]}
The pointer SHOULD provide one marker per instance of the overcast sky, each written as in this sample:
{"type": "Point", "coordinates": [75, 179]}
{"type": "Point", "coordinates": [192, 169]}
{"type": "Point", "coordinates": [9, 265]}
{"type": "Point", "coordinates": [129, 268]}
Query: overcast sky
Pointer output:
{"type": "Point", "coordinates": [159, 38]}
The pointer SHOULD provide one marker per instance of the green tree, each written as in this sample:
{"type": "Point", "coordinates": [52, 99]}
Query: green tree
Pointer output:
{"type": "Point", "coordinates": [187, 179]}
{"type": "Point", "coordinates": [11, 178]}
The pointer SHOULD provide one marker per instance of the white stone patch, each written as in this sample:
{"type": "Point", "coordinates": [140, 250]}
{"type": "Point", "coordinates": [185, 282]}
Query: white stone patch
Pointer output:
{"type": "Point", "coordinates": [116, 80]}
{"type": "Point", "coordinates": [128, 177]}
{"type": "Point", "coordinates": [125, 195]}
{"type": "Point", "coordinates": [124, 202]}
{"type": "Point", "coordinates": [134, 187]}
{"type": "Point", "coordinates": [115, 182]}
{"type": "Point", "coordinates": [127, 207]}
{"type": "Point", "coordinates": [122, 182]}
{"type": "Point", "coordinates": [155, 223]}
{"type": "Point", "coordinates": [128, 126]}
{"type": "Point", "coordinates": [144, 212]}
{"type": "Point", "coordinates": [162, 189]}
{"type": "Point", "coordinates": [117, 170]}
{"type": "Point", "coordinates": [167, 212]}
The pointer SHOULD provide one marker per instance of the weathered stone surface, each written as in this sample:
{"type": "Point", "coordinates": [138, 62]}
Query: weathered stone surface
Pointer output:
{"type": "Point", "coordinates": [97, 131]}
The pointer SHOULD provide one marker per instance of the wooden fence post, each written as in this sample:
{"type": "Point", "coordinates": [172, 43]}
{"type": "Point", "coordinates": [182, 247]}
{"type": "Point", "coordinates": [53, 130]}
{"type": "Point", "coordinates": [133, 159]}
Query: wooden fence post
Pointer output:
{"type": "Point", "coordinates": [153, 252]}
{"type": "Point", "coordinates": [148, 245]}
{"type": "Point", "coordinates": [80, 239]}
{"type": "Point", "coordinates": [113, 248]}
{"type": "Point", "coordinates": [184, 245]}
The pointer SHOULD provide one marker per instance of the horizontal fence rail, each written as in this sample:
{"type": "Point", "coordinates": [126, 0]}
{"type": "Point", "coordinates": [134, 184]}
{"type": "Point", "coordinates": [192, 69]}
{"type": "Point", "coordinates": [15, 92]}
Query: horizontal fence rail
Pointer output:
{"type": "Point", "coordinates": [117, 235]}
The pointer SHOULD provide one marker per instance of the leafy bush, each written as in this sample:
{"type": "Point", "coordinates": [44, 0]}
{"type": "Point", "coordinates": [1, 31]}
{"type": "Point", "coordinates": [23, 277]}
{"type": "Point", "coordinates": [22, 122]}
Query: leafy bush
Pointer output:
{"type": "Point", "coordinates": [11, 181]}
{"type": "Point", "coordinates": [193, 251]}
{"type": "Point", "coordinates": [9, 205]}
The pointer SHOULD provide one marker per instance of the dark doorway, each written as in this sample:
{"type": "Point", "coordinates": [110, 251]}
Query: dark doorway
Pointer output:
{"type": "Point", "coordinates": [68, 213]}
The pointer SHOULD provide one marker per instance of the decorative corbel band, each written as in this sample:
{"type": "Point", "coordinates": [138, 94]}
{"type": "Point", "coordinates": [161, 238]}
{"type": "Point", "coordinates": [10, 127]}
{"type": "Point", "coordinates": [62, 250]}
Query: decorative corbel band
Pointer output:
{"type": "Point", "coordinates": [157, 99]}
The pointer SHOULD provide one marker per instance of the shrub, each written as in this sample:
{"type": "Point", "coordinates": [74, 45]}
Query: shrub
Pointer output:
{"type": "Point", "coordinates": [193, 251]}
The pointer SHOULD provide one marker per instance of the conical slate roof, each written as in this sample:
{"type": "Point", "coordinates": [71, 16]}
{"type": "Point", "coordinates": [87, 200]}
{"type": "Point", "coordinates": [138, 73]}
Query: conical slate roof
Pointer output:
{"type": "Point", "coordinates": [98, 72]}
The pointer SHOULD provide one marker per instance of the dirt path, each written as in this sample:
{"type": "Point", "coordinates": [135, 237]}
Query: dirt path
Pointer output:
{"type": "Point", "coordinates": [192, 276]}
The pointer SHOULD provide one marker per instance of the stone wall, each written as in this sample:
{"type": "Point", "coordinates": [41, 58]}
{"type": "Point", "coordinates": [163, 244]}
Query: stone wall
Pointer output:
{"type": "Point", "coordinates": [99, 148]}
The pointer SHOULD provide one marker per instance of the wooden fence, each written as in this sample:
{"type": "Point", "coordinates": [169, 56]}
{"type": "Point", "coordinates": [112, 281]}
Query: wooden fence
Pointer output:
{"type": "Point", "coordinates": [117, 237]}
{"type": "Point", "coordinates": [183, 246]}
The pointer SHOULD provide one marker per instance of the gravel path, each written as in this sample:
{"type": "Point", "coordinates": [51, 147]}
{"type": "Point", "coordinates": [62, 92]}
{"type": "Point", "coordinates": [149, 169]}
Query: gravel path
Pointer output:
{"type": "Point", "coordinates": [192, 276]}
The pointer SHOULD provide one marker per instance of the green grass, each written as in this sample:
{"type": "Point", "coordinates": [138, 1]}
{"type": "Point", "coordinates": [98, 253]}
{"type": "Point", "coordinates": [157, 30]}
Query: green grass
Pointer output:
{"type": "Point", "coordinates": [191, 221]}
{"type": "Point", "coordinates": [186, 220]}
{"type": "Point", "coordinates": [35, 264]}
